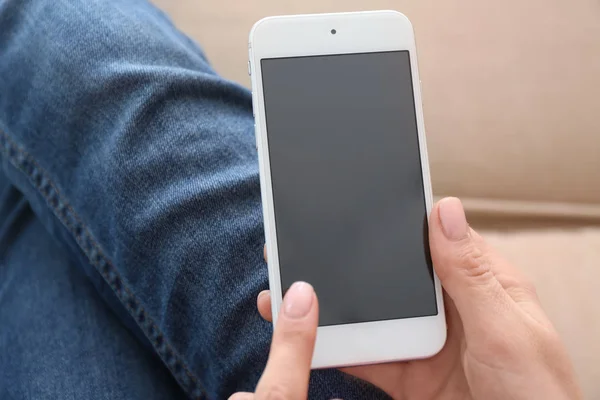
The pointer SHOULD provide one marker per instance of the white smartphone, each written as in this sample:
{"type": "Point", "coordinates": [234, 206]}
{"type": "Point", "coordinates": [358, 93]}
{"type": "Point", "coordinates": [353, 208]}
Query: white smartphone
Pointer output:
{"type": "Point", "coordinates": [345, 181]}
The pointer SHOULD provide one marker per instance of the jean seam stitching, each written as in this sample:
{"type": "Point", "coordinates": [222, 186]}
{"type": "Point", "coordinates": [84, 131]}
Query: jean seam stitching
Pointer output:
{"type": "Point", "coordinates": [63, 211]}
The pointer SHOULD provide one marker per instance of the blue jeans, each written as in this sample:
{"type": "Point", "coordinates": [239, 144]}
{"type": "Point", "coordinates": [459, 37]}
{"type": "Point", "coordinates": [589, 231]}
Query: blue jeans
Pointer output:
{"type": "Point", "coordinates": [130, 224]}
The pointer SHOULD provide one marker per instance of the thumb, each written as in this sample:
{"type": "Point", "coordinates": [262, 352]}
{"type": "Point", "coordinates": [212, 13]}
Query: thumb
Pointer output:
{"type": "Point", "coordinates": [464, 267]}
{"type": "Point", "coordinates": [288, 368]}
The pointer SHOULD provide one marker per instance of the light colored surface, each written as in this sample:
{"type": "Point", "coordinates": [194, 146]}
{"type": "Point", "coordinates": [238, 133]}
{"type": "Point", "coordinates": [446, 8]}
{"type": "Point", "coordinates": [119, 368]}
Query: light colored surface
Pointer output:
{"type": "Point", "coordinates": [511, 93]}
{"type": "Point", "coordinates": [510, 88]}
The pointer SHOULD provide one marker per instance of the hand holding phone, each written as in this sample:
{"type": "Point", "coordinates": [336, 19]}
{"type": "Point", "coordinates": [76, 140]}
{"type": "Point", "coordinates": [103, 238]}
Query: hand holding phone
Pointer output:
{"type": "Point", "coordinates": [500, 343]}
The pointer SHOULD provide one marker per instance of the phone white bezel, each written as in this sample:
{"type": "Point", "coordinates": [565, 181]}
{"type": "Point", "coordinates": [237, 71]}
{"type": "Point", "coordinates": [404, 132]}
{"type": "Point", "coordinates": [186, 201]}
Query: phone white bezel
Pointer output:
{"type": "Point", "coordinates": [359, 32]}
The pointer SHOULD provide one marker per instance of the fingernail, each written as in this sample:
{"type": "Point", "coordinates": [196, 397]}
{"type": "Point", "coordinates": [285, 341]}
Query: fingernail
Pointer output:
{"type": "Point", "coordinates": [262, 293]}
{"type": "Point", "coordinates": [452, 217]}
{"type": "Point", "coordinates": [298, 300]}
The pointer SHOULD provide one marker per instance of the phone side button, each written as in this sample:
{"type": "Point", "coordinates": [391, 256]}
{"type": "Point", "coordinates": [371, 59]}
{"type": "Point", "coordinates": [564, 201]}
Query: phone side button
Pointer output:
{"type": "Point", "coordinates": [249, 70]}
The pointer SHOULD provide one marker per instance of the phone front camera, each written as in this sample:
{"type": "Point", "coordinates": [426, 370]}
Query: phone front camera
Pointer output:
{"type": "Point", "coordinates": [333, 31]}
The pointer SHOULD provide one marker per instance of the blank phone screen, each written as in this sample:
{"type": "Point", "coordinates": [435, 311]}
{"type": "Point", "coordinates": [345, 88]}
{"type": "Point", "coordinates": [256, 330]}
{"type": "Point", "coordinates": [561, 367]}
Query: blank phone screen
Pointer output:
{"type": "Point", "coordinates": [347, 183]}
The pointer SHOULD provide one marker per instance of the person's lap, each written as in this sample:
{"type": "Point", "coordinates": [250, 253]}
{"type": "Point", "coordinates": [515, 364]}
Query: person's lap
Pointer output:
{"type": "Point", "coordinates": [139, 165]}
{"type": "Point", "coordinates": [58, 338]}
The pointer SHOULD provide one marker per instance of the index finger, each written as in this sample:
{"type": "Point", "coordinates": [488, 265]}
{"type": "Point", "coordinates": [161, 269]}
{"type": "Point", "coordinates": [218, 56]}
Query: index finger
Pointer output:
{"type": "Point", "coordinates": [288, 368]}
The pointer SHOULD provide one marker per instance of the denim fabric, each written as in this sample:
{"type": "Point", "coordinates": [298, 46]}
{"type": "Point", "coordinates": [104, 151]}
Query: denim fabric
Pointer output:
{"type": "Point", "coordinates": [58, 339]}
{"type": "Point", "coordinates": [139, 162]}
